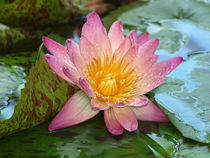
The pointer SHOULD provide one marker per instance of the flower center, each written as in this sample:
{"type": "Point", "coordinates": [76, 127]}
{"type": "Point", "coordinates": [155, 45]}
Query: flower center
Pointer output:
{"type": "Point", "coordinates": [108, 85]}
{"type": "Point", "coordinates": [113, 80]}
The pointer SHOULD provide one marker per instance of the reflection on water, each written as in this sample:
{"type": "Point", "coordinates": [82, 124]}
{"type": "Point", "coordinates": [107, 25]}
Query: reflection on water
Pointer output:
{"type": "Point", "coordinates": [194, 39]}
{"type": "Point", "coordinates": [11, 79]}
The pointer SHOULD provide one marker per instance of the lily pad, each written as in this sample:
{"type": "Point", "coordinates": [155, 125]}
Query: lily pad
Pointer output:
{"type": "Point", "coordinates": [10, 80]}
{"type": "Point", "coordinates": [40, 12]}
{"type": "Point", "coordinates": [14, 69]}
{"type": "Point", "coordinates": [91, 139]}
{"type": "Point", "coordinates": [184, 95]}
{"type": "Point", "coordinates": [42, 97]}
{"type": "Point", "coordinates": [181, 31]}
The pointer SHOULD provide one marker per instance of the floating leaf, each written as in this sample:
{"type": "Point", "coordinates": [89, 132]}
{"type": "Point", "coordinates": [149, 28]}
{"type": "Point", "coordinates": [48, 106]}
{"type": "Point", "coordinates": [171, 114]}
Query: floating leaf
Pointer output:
{"type": "Point", "coordinates": [185, 97]}
{"type": "Point", "coordinates": [89, 139]}
{"type": "Point", "coordinates": [40, 12]}
{"type": "Point", "coordinates": [43, 96]}
{"type": "Point", "coordinates": [22, 39]}
{"type": "Point", "coordinates": [13, 69]}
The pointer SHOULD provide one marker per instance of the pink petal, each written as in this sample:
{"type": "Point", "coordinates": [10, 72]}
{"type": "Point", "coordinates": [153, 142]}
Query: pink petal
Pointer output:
{"type": "Point", "coordinates": [142, 38]}
{"type": "Point", "coordinates": [126, 44]}
{"type": "Point", "coordinates": [116, 35]}
{"type": "Point", "coordinates": [131, 54]}
{"type": "Point", "coordinates": [55, 48]}
{"type": "Point", "coordinates": [75, 111]}
{"type": "Point", "coordinates": [87, 50]}
{"type": "Point", "coordinates": [112, 124]}
{"type": "Point", "coordinates": [76, 58]}
{"type": "Point", "coordinates": [71, 74]}
{"type": "Point", "coordinates": [145, 57]}
{"type": "Point", "coordinates": [126, 117]}
{"type": "Point", "coordinates": [135, 43]}
{"type": "Point", "coordinates": [72, 48]}
{"type": "Point", "coordinates": [132, 37]}
{"type": "Point", "coordinates": [93, 23]}
{"type": "Point", "coordinates": [85, 86]}
{"type": "Point", "coordinates": [102, 44]}
{"type": "Point", "coordinates": [122, 103]}
{"type": "Point", "coordinates": [150, 112]}
{"type": "Point", "coordinates": [57, 66]}
{"type": "Point", "coordinates": [156, 75]}
{"type": "Point", "coordinates": [97, 104]}
{"type": "Point", "coordinates": [137, 101]}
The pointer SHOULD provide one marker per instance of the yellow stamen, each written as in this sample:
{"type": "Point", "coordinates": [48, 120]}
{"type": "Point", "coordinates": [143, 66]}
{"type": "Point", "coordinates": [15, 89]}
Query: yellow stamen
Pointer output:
{"type": "Point", "coordinates": [112, 79]}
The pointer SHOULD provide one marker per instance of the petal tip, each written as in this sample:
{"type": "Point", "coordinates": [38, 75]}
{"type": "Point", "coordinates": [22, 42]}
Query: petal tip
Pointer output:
{"type": "Point", "coordinates": [133, 127]}
{"type": "Point", "coordinates": [68, 41]}
{"type": "Point", "coordinates": [65, 68]}
{"type": "Point", "coordinates": [43, 39]}
{"type": "Point", "coordinates": [47, 57]}
{"type": "Point", "coordinates": [51, 127]}
{"type": "Point", "coordinates": [116, 132]}
{"type": "Point", "coordinates": [180, 59]}
{"type": "Point", "coordinates": [46, 40]}
{"type": "Point", "coordinates": [93, 13]}
{"type": "Point", "coordinates": [156, 40]}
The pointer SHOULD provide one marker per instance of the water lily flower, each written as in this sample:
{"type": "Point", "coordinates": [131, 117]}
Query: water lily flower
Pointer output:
{"type": "Point", "coordinates": [113, 72]}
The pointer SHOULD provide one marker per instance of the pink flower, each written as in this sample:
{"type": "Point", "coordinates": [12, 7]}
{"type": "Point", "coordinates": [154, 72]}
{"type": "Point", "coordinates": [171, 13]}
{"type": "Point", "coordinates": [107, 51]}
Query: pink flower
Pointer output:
{"type": "Point", "coordinates": [114, 72]}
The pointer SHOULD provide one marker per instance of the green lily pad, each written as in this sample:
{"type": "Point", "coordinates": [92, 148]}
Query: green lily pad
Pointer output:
{"type": "Point", "coordinates": [181, 31]}
{"type": "Point", "coordinates": [42, 97]}
{"type": "Point", "coordinates": [91, 139]}
{"type": "Point", "coordinates": [10, 80]}
{"type": "Point", "coordinates": [184, 96]}
{"type": "Point", "coordinates": [14, 69]}
{"type": "Point", "coordinates": [40, 12]}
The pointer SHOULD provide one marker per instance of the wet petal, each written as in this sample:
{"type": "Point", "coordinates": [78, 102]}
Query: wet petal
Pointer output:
{"type": "Point", "coordinates": [101, 43]}
{"type": "Point", "coordinates": [145, 57]}
{"type": "Point", "coordinates": [150, 112]}
{"type": "Point", "coordinates": [97, 104]}
{"type": "Point", "coordinates": [92, 24]}
{"type": "Point", "coordinates": [137, 101]}
{"type": "Point", "coordinates": [156, 75]}
{"type": "Point", "coordinates": [77, 60]}
{"type": "Point", "coordinates": [87, 50]}
{"type": "Point", "coordinates": [72, 48]}
{"type": "Point", "coordinates": [126, 117]}
{"type": "Point", "coordinates": [57, 66]}
{"type": "Point", "coordinates": [142, 38]}
{"type": "Point", "coordinates": [131, 54]}
{"type": "Point", "coordinates": [56, 49]}
{"type": "Point", "coordinates": [116, 35]}
{"type": "Point", "coordinates": [75, 111]}
{"type": "Point", "coordinates": [112, 124]}
{"type": "Point", "coordinates": [71, 74]}
{"type": "Point", "coordinates": [86, 87]}
{"type": "Point", "coordinates": [126, 44]}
